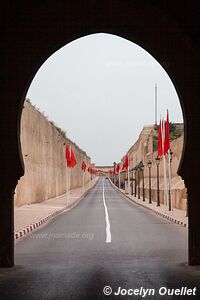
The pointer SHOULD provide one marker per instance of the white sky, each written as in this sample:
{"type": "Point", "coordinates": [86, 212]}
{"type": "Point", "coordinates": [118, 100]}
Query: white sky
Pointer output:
{"type": "Point", "coordinates": [100, 89]}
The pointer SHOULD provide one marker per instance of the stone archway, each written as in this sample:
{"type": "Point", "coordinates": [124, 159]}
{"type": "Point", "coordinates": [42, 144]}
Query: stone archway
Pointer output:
{"type": "Point", "coordinates": [32, 32]}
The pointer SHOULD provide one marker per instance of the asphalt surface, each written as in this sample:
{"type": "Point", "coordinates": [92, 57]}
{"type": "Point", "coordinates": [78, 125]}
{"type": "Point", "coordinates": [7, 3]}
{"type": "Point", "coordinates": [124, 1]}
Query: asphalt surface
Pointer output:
{"type": "Point", "coordinates": [83, 250]}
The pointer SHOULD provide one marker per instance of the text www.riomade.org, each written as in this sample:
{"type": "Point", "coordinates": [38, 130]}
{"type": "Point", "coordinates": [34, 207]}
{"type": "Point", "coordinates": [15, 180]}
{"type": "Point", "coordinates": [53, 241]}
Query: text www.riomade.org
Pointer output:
{"type": "Point", "coordinates": [144, 292]}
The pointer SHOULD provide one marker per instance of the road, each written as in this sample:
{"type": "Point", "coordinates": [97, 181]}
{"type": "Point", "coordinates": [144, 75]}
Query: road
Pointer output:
{"type": "Point", "coordinates": [106, 240]}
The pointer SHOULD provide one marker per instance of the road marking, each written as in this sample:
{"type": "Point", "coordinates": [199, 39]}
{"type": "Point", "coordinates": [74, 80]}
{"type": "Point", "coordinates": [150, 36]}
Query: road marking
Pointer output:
{"type": "Point", "coordinates": [108, 233]}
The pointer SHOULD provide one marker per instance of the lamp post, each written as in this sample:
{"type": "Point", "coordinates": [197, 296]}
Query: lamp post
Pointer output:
{"type": "Point", "coordinates": [132, 183]}
{"type": "Point", "coordinates": [158, 186]}
{"type": "Point", "coordinates": [130, 177]}
{"type": "Point", "coordinates": [170, 188]}
{"type": "Point", "coordinates": [143, 193]}
{"type": "Point", "coordinates": [135, 182]}
{"type": "Point", "coordinates": [119, 182]}
{"type": "Point", "coordinates": [114, 177]}
{"type": "Point", "coordinates": [138, 182]}
{"type": "Point", "coordinates": [149, 166]}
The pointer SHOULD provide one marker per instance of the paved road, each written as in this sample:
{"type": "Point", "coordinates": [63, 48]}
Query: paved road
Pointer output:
{"type": "Point", "coordinates": [105, 240]}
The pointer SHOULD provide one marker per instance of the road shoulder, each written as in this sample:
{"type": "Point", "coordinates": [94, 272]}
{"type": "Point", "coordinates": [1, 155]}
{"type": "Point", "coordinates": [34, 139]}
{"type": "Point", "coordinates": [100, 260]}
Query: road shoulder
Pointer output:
{"type": "Point", "coordinates": [176, 216]}
{"type": "Point", "coordinates": [30, 217]}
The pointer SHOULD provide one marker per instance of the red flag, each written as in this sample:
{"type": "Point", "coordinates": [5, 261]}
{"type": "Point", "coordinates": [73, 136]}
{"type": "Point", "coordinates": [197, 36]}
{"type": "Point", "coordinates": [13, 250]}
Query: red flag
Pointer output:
{"type": "Point", "coordinates": [126, 163]}
{"type": "Point", "coordinates": [167, 140]}
{"type": "Point", "coordinates": [160, 150]}
{"type": "Point", "coordinates": [73, 159]}
{"type": "Point", "coordinates": [118, 168]}
{"type": "Point", "coordinates": [84, 166]}
{"type": "Point", "coordinates": [68, 157]}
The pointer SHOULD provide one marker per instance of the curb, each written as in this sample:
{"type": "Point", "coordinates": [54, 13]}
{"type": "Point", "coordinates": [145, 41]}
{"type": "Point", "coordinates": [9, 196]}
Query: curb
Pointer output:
{"type": "Point", "coordinates": [22, 232]}
{"type": "Point", "coordinates": [165, 216]}
{"type": "Point", "coordinates": [33, 226]}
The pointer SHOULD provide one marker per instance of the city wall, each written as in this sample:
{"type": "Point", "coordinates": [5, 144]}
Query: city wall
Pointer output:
{"type": "Point", "coordinates": [142, 150]}
{"type": "Point", "coordinates": [43, 149]}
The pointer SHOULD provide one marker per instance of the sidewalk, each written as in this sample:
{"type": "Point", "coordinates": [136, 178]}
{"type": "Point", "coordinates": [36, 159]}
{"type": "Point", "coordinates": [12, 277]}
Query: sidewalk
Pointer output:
{"type": "Point", "coordinates": [29, 217]}
{"type": "Point", "coordinates": [176, 216]}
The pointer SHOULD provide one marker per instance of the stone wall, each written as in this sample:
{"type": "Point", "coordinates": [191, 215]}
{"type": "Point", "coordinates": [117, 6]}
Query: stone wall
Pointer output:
{"type": "Point", "coordinates": [142, 150]}
{"type": "Point", "coordinates": [43, 148]}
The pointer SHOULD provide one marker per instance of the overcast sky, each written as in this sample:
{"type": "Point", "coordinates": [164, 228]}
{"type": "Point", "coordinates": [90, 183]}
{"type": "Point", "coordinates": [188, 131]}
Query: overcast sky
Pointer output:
{"type": "Point", "coordinates": [100, 89]}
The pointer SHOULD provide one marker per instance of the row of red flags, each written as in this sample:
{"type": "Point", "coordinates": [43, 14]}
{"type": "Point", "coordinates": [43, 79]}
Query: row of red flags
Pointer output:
{"type": "Point", "coordinates": [163, 145]}
{"type": "Point", "coordinates": [92, 171]}
{"type": "Point", "coordinates": [125, 166]}
{"type": "Point", "coordinates": [72, 162]}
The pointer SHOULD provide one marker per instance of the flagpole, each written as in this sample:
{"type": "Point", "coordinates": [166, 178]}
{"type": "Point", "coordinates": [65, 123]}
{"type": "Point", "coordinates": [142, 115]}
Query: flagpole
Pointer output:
{"type": "Point", "coordinates": [128, 180]}
{"type": "Point", "coordinates": [69, 182]}
{"type": "Point", "coordinates": [167, 151]}
{"type": "Point", "coordinates": [83, 180]}
{"type": "Point", "coordinates": [67, 176]}
{"type": "Point", "coordinates": [156, 104]}
{"type": "Point", "coordinates": [70, 151]}
{"type": "Point", "coordinates": [165, 182]}
{"type": "Point", "coordinates": [170, 181]}
{"type": "Point", "coordinates": [164, 162]}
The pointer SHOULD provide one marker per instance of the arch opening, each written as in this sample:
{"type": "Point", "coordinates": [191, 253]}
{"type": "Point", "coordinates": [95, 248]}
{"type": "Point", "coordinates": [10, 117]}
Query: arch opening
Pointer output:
{"type": "Point", "coordinates": [113, 75]}
{"type": "Point", "coordinates": [157, 43]}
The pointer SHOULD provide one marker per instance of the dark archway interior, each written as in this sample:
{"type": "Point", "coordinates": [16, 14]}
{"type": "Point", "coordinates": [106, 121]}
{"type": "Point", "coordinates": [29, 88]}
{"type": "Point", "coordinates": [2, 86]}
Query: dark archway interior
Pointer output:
{"type": "Point", "coordinates": [32, 32]}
